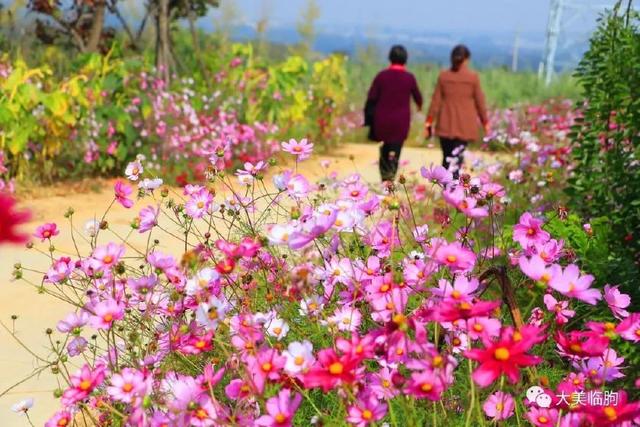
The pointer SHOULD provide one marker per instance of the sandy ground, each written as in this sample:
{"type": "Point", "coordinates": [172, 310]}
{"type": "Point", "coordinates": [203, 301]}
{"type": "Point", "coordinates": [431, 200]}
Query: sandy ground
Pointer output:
{"type": "Point", "coordinates": [36, 312]}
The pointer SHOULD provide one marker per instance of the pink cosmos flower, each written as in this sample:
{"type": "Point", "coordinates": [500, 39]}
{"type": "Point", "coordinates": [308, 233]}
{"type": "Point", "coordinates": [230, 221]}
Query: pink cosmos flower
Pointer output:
{"type": "Point", "coordinates": [602, 369]}
{"type": "Point", "coordinates": [629, 328]}
{"type": "Point", "coordinates": [199, 203]}
{"type": "Point", "coordinates": [264, 366]}
{"type": "Point", "coordinates": [437, 175]}
{"type": "Point", "coordinates": [383, 237]}
{"type": "Point", "coordinates": [123, 191]}
{"type": "Point", "coordinates": [330, 370]}
{"type": "Point", "coordinates": [73, 321]}
{"type": "Point", "coordinates": [148, 218]}
{"type": "Point", "coordinates": [46, 231]}
{"type": "Point", "coordinates": [301, 149]}
{"type": "Point", "coordinates": [477, 327]}
{"type": "Point", "coordinates": [455, 256]}
{"type": "Point", "coordinates": [298, 186]}
{"type": "Point", "coordinates": [529, 232]}
{"type": "Point", "coordinates": [616, 301]}
{"type": "Point", "coordinates": [281, 410]}
{"type": "Point", "coordinates": [83, 383]}
{"type": "Point", "coordinates": [462, 288]}
{"type": "Point", "coordinates": [60, 419]}
{"type": "Point", "coordinates": [425, 384]}
{"type": "Point", "coordinates": [571, 284]}
{"type": "Point", "coordinates": [560, 308]}
{"type": "Point", "coordinates": [499, 406]}
{"type": "Point", "coordinates": [105, 313]}
{"type": "Point", "coordinates": [60, 270]}
{"type": "Point", "coordinates": [367, 409]}
{"type": "Point", "coordinates": [346, 319]}
{"type": "Point", "coordinates": [536, 269]}
{"type": "Point", "coordinates": [127, 385]}
{"type": "Point", "coordinates": [105, 257]}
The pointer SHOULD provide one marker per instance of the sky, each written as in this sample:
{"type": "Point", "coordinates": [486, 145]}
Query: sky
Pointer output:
{"type": "Point", "coordinates": [486, 16]}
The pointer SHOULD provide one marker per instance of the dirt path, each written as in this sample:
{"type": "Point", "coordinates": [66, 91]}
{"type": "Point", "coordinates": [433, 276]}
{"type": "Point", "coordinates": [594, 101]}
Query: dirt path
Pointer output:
{"type": "Point", "coordinates": [36, 312]}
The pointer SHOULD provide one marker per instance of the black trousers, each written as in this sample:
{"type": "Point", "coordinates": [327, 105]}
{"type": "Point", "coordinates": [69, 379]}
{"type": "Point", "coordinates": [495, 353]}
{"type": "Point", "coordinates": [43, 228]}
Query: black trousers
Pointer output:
{"type": "Point", "coordinates": [389, 159]}
{"type": "Point", "coordinates": [453, 152]}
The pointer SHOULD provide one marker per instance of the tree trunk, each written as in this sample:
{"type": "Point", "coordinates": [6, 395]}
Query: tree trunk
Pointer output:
{"type": "Point", "coordinates": [163, 50]}
{"type": "Point", "coordinates": [95, 33]}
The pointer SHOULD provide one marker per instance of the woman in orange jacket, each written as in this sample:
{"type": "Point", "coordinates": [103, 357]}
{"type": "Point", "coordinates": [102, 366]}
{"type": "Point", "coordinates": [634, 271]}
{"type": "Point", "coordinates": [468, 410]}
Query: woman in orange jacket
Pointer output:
{"type": "Point", "coordinates": [457, 108]}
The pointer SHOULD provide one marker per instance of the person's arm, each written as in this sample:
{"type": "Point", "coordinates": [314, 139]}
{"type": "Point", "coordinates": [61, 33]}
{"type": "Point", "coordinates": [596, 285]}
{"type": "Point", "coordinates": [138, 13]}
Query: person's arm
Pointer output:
{"type": "Point", "coordinates": [372, 98]}
{"type": "Point", "coordinates": [416, 94]}
{"type": "Point", "coordinates": [481, 107]}
{"type": "Point", "coordinates": [434, 108]}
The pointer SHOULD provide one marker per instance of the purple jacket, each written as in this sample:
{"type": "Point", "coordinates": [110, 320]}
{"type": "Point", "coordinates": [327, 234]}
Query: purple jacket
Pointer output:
{"type": "Point", "coordinates": [391, 91]}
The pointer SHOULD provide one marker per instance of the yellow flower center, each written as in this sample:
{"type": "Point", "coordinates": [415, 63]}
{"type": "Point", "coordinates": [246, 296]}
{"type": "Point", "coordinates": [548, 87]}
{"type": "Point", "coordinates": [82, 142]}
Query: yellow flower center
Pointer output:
{"type": "Point", "coordinates": [437, 361]}
{"type": "Point", "coordinates": [426, 387]}
{"type": "Point", "coordinates": [610, 413]}
{"type": "Point", "coordinates": [384, 288]}
{"type": "Point", "coordinates": [280, 418]}
{"type": "Point", "coordinates": [542, 419]}
{"type": "Point", "coordinates": [200, 205]}
{"type": "Point", "coordinates": [576, 348]}
{"type": "Point", "coordinates": [201, 414]}
{"type": "Point", "coordinates": [367, 414]}
{"type": "Point", "coordinates": [266, 366]}
{"type": "Point", "coordinates": [451, 258]}
{"type": "Point", "coordinates": [385, 383]}
{"type": "Point", "coordinates": [277, 330]}
{"type": "Point", "coordinates": [107, 317]}
{"type": "Point", "coordinates": [336, 368]}
{"type": "Point", "coordinates": [456, 294]}
{"type": "Point", "coordinates": [501, 353]}
{"type": "Point", "coordinates": [85, 385]}
{"type": "Point", "coordinates": [213, 313]}
{"type": "Point", "coordinates": [299, 360]}
{"type": "Point", "coordinates": [127, 387]}
{"type": "Point", "coordinates": [107, 259]}
{"type": "Point", "coordinates": [399, 318]}
{"type": "Point", "coordinates": [201, 344]}
{"type": "Point", "coordinates": [477, 327]}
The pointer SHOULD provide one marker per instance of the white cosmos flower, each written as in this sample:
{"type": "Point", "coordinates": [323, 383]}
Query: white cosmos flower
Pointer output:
{"type": "Point", "coordinates": [202, 280]}
{"type": "Point", "coordinates": [299, 357]}
{"type": "Point", "coordinates": [210, 314]}
{"type": "Point", "coordinates": [23, 406]}
{"type": "Point", "coordinates": [277, 328]}
{"type": "Point", "coordinates": [134, 170]}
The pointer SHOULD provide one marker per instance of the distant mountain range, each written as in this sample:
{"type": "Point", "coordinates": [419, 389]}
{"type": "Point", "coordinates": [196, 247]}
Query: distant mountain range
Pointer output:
{"type": "Point", "coordinates": [489, 50]}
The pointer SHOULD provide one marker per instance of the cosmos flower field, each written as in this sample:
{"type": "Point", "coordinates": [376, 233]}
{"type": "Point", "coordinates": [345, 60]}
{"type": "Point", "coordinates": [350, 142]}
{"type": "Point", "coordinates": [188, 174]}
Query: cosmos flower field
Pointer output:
{"type": "Point", "coordinates": [334, 301]}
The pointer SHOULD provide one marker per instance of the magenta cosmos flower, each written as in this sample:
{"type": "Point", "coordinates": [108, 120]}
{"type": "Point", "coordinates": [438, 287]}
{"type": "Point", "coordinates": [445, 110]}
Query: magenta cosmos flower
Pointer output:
{"type": "Point", "coordinates": [46, 231]}
{"type": "Point", "coordinates": [280, 409]}
{"type": "Point", "coordinates": [83, 383]}
{"type": "Point", "coordinates": [455, 256]}
{"type": "Point", "coordinates": [123, 191]}
{"type": "Point", "coordinates": [301, 149]}
{"type": "Point", "coordinates": [529, 231]}
{"type": "Point", "coordinates": [366, 410]}
{"type": "Point", "coordinates": [9, 219]}
{"type": "Point", "coordinates": [499, 406]}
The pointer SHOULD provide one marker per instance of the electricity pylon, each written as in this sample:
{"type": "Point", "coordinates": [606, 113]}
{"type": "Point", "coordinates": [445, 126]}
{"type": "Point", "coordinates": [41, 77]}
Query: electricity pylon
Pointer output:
{"type": "Point", "coordinates": [561, 14]}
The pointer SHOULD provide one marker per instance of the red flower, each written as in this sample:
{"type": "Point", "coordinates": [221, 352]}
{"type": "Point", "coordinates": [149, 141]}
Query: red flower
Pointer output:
{"type": "Point", "coordinates": [582, 344]}
{"type": "Point", "coordinates": [505, 356]}
{"type": "Point", "coordinates": [614, 414]}
{"type": "Point", "coordinates": [9, 219]}
{"type": "Point", "coordinates": [451, 310]}
{"type": "Point", "coordinates": [330, 370]}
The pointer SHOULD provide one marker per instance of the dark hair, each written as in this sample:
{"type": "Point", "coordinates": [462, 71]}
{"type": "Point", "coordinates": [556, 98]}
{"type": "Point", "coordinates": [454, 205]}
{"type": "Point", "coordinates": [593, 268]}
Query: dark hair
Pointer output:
{"type": "Point", "coordinates": [398, 55]}
{"type": "Point", "coordinates": [458, 55]}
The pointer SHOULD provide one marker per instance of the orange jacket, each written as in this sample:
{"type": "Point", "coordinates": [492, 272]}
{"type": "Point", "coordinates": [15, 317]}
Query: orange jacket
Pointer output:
{"type": "Point", "coordinates": [458, 105]}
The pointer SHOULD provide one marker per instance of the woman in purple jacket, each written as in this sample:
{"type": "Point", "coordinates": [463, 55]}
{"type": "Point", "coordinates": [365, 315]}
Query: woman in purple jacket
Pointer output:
{"type": "Point", "coordinates": [390, 97]}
